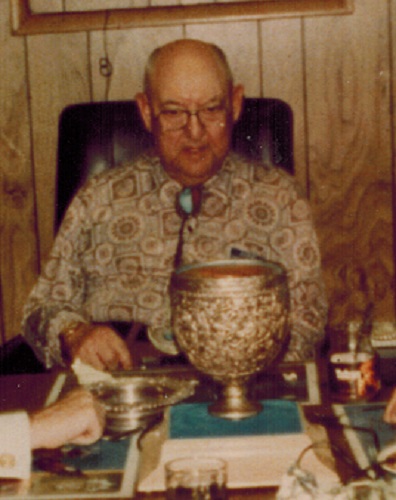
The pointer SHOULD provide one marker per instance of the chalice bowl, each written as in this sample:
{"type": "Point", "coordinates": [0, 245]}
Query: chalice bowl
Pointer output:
{"type": "Point", "coordinates": [230, 319]}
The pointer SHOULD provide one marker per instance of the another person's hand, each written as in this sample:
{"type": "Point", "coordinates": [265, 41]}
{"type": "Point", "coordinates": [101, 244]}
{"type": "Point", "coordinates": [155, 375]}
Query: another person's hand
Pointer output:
{"type": "Point", "coordinates": [78, 418]}
{"type": "Point", "coordinates": [390, 410]}
{"type": "Point", "coordinates": [99, 346]}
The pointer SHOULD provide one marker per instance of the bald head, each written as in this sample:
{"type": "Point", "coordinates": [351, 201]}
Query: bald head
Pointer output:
{"type": "Point", "coordinates": [190, 55]}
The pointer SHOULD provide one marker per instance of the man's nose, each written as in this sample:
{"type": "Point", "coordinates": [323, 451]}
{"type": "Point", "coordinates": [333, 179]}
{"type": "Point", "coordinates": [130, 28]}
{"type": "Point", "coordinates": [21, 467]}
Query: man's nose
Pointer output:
{"type": "Point", "coordinates": [194, 126]}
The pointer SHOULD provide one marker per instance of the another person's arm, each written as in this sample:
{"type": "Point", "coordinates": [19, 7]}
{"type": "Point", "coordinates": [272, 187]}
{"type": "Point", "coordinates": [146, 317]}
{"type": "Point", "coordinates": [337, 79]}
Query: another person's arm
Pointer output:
{"type": "Point", "coordinates": [14, 445]}
{"type": "Point", "coordinates": [390, 410]}
{"type": "Point", "coordinates": [78, 418]}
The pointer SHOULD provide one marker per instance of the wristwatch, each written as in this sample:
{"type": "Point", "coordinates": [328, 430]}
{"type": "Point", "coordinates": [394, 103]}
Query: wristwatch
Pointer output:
{"type": "Point", "coordinates": [72, 328]}
{"type": "Point", "coordinates": [66, 334]}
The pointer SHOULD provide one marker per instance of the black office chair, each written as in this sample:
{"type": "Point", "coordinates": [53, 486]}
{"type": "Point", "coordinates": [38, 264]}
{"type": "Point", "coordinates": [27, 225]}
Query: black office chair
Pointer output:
{"type": "Point", "coordinates": [97, 136]}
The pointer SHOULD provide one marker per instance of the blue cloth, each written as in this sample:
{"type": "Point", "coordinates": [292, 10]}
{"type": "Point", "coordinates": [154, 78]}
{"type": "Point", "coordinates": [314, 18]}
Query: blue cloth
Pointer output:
{"type": "Point", "coordinates": [192, 420]}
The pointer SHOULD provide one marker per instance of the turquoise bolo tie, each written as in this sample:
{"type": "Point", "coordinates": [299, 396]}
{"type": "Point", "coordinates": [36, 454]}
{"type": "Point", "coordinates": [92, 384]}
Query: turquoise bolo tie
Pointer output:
{"type": "Point", "coordinates": [189, 201]}
{"type": "Point", "coordinates": [188, 204]}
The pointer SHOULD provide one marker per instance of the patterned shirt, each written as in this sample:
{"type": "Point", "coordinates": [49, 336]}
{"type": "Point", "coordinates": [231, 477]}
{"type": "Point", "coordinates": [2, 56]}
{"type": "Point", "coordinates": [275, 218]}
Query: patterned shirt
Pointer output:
{"type": "Point", "coordinates": [114, 254]}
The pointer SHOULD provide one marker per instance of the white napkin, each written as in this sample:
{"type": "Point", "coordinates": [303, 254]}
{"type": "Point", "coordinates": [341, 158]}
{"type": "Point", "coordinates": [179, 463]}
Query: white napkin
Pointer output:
{"type": "Point", "coordinates": [87, 374]}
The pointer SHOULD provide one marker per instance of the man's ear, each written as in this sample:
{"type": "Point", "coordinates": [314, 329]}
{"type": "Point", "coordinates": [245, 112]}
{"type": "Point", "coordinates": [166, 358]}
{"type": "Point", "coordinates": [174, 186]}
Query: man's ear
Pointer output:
{"type": "Point", "coordinates": [237, 101]}
{"type": "Point", "coordinates": [144, 109]}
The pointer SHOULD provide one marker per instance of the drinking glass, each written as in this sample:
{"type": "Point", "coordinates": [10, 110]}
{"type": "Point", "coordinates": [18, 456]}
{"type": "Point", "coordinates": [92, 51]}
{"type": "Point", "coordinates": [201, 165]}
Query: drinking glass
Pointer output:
{"type": "Point", "coordinates": [196, 478]}
{"type": "Point", "coordinates": [366, 490]}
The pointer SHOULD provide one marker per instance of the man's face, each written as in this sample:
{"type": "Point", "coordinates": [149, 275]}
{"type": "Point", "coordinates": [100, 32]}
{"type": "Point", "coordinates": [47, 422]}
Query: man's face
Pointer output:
{"type": "Point", "coordinates": [191, 146]}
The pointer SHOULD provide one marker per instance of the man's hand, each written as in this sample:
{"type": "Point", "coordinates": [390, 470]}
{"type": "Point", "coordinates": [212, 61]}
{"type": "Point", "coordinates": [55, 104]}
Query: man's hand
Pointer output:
{"type": "Point", "coordinates": [99, 346]}
{"type": "Point", "coordinates": [78, 418]}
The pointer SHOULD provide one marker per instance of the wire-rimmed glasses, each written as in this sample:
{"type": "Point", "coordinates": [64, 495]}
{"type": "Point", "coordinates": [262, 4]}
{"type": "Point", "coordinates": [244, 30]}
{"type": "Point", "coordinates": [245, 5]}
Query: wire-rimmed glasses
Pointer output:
{"type": "Point", "coordinates": [174, 118]}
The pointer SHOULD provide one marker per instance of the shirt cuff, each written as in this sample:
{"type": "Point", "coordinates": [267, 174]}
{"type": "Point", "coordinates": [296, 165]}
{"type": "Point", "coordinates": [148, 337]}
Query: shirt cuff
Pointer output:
{"type": "Point", "coordinates": [15, 455]}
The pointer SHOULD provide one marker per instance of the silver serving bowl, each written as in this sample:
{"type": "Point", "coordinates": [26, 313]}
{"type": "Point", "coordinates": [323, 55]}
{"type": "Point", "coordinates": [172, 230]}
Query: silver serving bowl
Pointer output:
{"type": "Point", "coordinates": [133, 403]}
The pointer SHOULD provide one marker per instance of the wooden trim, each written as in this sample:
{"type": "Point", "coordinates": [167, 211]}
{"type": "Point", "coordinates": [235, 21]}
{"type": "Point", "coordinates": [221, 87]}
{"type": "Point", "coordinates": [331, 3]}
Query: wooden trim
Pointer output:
{"type": "Point", "coordinates": [24, 22]}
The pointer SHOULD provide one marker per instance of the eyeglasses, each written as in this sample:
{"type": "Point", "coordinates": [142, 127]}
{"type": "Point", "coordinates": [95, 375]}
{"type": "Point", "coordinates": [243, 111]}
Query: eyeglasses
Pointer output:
{"type": "Point", "coordinates": [177, 118]}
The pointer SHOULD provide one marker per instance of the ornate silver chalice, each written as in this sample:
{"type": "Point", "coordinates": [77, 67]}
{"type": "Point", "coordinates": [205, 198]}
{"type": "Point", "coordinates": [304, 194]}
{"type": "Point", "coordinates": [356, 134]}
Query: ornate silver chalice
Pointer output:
{"type": "Point", "coordinates": [230, 319]}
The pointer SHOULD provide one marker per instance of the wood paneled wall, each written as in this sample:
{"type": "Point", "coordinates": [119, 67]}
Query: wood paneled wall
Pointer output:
{"type": "Point", "coordinates": [337, 72]}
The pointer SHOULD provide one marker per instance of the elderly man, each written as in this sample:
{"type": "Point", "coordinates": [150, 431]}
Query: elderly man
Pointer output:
{"type": "Point", "coordinates": [189, 200]}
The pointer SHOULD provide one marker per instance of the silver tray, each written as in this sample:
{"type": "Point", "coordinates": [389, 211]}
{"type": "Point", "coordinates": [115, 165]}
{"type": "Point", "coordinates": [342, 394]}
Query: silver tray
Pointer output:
{"type": "Point", "coordinates": [135, 402]}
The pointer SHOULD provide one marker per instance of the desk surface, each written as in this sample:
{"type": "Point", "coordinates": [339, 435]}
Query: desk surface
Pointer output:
{"type": "Point", "coordinates": [30, 392]}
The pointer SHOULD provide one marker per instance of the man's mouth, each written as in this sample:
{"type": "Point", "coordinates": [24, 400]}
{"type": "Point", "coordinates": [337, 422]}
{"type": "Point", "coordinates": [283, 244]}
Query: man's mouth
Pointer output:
{"type": "Point", "coordinates": [195, 151]}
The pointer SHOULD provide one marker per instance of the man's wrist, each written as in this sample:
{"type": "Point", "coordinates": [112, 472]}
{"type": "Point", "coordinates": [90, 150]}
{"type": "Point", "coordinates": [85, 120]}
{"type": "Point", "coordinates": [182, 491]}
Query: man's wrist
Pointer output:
{"type": "Point", "coordinates": [69, 336]}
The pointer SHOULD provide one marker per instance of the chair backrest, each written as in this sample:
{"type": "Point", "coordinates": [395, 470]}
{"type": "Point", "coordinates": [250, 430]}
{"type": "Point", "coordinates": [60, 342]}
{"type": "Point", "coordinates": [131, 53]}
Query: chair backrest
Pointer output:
{"type": "Point", "coordinates": [97, 136]}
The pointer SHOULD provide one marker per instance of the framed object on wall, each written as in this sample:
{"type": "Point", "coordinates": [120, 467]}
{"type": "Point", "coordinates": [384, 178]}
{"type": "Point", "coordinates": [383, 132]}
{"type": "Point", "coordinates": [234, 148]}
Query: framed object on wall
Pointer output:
{"type": "Point", "coordinates": [26, 20]}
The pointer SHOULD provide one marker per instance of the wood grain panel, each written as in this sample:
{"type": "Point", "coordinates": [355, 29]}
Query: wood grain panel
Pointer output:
{"type": "Point", "coordinates": [240, 43]}
{"type": "Point", "coordinates": [58, 74]}
{"type": "Point", "coordinates": [128, 52]}
{"type": "Point", "coordinates": [18, 256]}
{"type": "Point", "coordinates": [392, 14]}
{"type": "Point", "coordinates": [350, 157]}
{"type": "Point", "coordinates": [164, 3]}
{"type": "Point", "coordinates": [46, 5]}
{"type": "Point", "coordinates": [282, 73]}
{"type": "Point", "coordinates": [192, 2]}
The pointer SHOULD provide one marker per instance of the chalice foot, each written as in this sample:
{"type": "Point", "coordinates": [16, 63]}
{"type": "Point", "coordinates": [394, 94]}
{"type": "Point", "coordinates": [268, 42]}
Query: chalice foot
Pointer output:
{"type": "Point", "coordinates": [234, 404]}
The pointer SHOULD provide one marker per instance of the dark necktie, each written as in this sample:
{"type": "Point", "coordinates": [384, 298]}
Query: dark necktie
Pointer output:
{"type": "Point", "coordinates": [188, 204]}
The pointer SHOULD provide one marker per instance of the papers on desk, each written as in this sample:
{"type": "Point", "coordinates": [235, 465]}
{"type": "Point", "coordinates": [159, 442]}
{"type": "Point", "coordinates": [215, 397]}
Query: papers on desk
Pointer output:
{"type": "Point", "coordinates": [358, 417]}
{"type": "Point", "coordinates": [108, 470]}
{"type": "Point", "coordinates": [258, 450]}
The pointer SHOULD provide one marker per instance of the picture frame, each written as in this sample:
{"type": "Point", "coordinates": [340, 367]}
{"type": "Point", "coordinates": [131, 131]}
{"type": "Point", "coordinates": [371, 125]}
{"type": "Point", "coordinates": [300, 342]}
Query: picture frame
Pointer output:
{"type": "Point", "coordinates": [26, 22]}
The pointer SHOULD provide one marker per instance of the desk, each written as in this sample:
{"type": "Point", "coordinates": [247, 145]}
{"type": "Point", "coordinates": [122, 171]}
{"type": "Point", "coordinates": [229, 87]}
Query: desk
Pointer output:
{"type": "Point", "coordinates": [29, 391]}
{"type": "Point", "coordinates": [248, 494]}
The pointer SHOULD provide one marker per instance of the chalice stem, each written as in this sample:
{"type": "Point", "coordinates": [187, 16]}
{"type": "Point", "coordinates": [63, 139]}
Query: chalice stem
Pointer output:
{"type": "Point", "coordinates": [234, 404]}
